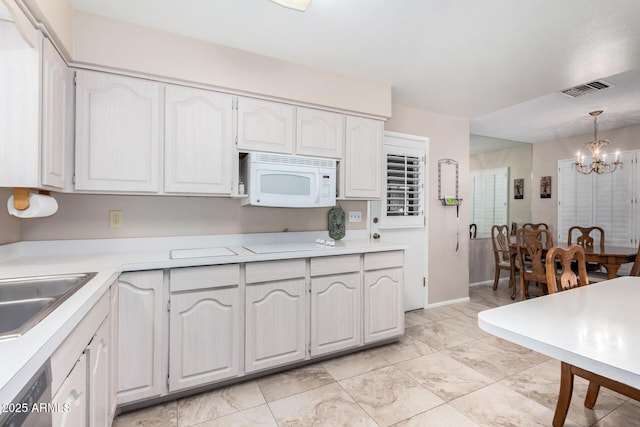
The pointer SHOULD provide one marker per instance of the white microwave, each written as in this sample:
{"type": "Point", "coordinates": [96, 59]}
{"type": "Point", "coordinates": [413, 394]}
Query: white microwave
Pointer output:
{"type": "Point", "coordinates": [286, 181]}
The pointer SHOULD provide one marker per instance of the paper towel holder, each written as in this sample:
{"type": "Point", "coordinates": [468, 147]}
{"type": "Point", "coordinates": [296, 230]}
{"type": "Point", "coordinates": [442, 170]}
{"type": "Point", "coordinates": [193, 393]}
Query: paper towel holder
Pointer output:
{"type": "Point", "coordinates": [21, 197]}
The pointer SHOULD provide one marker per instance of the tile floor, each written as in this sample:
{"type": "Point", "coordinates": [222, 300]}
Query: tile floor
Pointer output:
{"type": "Point", "coordinates": [445, 371]}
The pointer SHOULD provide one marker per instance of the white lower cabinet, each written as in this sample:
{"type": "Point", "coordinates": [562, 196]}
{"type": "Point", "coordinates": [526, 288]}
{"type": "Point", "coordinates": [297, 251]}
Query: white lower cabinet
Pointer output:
{"type": "Point", "coordinates": [383, 314]}
{"type": "Point", "coordinates": [205, 326]}
{"type": "Point", "coordinates": [71, 398]}
{"type": "Point", "coordinates": [215, 323]}
{"type": "Point", "coordinates": [276, 315]}
{"type": "Point", "coordinates": [140, 335]}
{"type": "Point", "coordinates": [81, 369]}
{"type": "Point", "coordinates": [336, 301]}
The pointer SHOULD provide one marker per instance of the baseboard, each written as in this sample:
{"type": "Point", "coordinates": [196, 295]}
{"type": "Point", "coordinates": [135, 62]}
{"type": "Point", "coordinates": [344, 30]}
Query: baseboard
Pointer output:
{"type": "Point", "coordinates": [449, 302]}
{"type": "Point", "coordinates": [490, 282]}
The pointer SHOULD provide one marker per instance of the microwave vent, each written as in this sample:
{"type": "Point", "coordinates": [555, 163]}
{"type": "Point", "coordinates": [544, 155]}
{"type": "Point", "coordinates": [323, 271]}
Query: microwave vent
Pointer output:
{"type": "Point", "coordinates": [294, 160]}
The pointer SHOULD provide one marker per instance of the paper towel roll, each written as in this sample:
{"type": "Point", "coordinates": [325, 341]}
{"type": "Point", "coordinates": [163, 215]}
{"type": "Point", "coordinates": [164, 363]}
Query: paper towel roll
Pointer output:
{"type": "Point", "coordinates": [40, 205]}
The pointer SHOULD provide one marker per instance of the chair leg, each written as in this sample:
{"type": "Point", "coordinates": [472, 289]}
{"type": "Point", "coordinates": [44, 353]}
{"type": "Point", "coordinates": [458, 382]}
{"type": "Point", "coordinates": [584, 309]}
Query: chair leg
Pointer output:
{"type": "Point", "coordinates": [496, 278]}
{"type": "Point", "coordinates": [564, 396]}
{"type": "Point", "coordinates": [592, 394]}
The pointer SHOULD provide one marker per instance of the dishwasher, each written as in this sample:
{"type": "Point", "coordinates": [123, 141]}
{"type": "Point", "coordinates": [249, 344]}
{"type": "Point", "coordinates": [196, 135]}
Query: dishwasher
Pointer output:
{"type": "Point", "coordinates": [30, 408]}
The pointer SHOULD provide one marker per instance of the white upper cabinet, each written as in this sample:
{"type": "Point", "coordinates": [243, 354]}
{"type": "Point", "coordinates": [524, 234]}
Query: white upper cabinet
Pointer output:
{"type": "Point", "coordinates": [117, 133]}
{"type": "Point", "coordinates": [198, 141]}
{"type": "Point", "coordinates": [57, 109]}
{"type": "Point", "coordinates": [319, 133]}
{"type": "Point", "coordinates": [35, 113]}
{"type": "Point", "coordinates": [265, 126]}
{"type": "Point", "coordinates": [361, 167]}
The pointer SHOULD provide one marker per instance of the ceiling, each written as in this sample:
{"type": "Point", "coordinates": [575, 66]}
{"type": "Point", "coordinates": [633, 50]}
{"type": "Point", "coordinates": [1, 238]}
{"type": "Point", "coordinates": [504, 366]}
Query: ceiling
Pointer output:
{"type": "Point", "coordinates": [499, 63]}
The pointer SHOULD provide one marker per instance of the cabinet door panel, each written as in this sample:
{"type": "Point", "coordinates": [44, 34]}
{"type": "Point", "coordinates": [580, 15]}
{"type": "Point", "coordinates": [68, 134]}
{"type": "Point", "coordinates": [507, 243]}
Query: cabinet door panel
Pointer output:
{"type": "Point", "coordinates": [335, 313]}
{"type": "Point", "coordinates": [56, 108]}
{"type": "Point", "coordinates": [319, 133]}
{"type": "Point", "coordinates": [362, 163]}
{"type": "Point", "coordinates": [205, 337]}
{"type": "Point", "coordinates": [275, 324]}
{"type": "Point", "coordinates": [140, 335]}
{"type": "Point", "coordinates": [72, 394]}
{"type": "Point", "coordinates": [117, 133]}
{"type": "Point", "coordinates": [383, 315]}
{"type": "Point", "coordinates": [197, 141]}
{"type": "Point", "coordinates": [98, 352]}
{"type": "Point", "coordinates": [265, 126]}
{"type": "Point", "coordinates": [113, 357]}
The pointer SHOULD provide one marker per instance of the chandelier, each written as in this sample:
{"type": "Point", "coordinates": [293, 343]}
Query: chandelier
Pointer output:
{"type": "Point", "coordinates": [597, 165]}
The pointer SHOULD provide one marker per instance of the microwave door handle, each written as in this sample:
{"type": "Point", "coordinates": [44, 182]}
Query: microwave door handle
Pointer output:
{"type": "Point", "coordinates": [317, 181]}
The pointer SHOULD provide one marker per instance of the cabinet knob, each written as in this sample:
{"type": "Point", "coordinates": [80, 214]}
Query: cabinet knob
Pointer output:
{"type": "Point", "coordinates": [376, 236]}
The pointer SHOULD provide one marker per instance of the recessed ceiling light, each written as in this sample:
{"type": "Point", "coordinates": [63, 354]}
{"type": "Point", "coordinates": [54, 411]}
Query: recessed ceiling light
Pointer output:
{"type": "Point", "coordinates": [300, 5]}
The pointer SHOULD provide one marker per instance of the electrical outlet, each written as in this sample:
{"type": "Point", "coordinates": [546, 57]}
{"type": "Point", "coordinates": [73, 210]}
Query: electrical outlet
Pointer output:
{"type": "Point", "coordinates": [355, 216]}
{"type": "Point", "coordinates": [115, 219]}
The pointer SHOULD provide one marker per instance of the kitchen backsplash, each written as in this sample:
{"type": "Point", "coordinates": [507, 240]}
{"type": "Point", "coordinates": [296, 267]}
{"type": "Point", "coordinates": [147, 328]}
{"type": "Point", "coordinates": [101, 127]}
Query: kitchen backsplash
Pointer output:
{"type": "Point", "coordinates": [87, 217]}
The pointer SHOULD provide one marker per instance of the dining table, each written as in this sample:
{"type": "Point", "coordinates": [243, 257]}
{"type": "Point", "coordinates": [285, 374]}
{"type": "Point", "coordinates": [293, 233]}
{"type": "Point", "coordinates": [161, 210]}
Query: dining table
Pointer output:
{"type": "Point", "coordinates": [610, 257]}
{"type": "Point", "coordinates": [593, 330]}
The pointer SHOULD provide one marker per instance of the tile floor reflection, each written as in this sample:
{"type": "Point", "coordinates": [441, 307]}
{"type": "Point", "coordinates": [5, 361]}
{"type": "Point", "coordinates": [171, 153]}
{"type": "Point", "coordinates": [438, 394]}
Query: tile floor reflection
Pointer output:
{"type": "Point", "coordinates": [445, 371]}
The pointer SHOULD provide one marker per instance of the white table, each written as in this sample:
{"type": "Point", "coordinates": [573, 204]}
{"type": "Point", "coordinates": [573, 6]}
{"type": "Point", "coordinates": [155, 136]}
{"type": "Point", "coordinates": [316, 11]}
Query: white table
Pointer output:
{"type": "Point", "coordinates": [594, 328]}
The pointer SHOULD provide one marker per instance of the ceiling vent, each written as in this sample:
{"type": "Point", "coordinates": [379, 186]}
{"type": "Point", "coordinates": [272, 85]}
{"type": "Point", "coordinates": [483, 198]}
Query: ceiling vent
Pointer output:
{"type": "Point", "coordinates": [586, 88]}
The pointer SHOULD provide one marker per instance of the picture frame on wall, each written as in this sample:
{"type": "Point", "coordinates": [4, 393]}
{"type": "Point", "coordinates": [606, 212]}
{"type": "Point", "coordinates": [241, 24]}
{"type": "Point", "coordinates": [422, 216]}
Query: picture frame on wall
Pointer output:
{"type": "Point", "coordinates": [545, 187]}
{"type": "Point", "coordinates": [518, 188]}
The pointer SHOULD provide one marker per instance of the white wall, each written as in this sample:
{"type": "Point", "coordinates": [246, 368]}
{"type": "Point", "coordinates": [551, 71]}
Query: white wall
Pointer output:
{"type": "Point", "coordinates": [120, 45]}
{"type": "Point", "coordinates": [545, 158]}
{"type": "Point", "coordinates": [86, 217]}
{"type": "Point", "coordinates": [9, 225]}
{"type": "Point", "coordinates": [448, 138]}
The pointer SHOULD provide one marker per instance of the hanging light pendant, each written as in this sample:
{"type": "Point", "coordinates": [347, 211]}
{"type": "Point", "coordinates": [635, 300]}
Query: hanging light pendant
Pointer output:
{"type": "Point", "coordinates": [598, 165]}
{"type": "Point", "coordinates": [300, 5]}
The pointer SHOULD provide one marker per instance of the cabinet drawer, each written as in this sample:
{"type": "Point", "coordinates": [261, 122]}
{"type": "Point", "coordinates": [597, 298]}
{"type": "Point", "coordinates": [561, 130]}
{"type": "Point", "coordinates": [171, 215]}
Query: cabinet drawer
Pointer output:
{"type": "Point", "coordinates": [193, 278]}
{"type": "Point", "coordinates": [335, 264]}
{"type": "Point", "coordinates": [268, 271]}
{"type": "Point", "coordinates": [378, 260]}
{"type": "Point", "coordinates": [70, 350]}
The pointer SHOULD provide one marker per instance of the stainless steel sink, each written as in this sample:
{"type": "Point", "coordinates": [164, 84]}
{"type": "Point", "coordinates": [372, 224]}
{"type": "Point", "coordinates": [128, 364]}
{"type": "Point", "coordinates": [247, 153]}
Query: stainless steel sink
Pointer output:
{"type": "Point", "coordinates": [25, 301]}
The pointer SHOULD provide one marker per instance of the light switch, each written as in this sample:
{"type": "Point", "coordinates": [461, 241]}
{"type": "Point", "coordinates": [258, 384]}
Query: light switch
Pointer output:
{"type": "Point", "coordinates": [355, 216]}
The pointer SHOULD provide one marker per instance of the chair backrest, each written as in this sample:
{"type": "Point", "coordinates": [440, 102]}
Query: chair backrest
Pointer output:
{"type": "Point", "coordinates": [567, 278]}
{"type": "Point", "coordinates": [585, 239]}
{"type": "Point", "coordinates": [500, 242]}
{"type": "Point", "coordinates": [536, 226]}
{"type": "Point", "coordinates": [473, 231]}
{"type": "Point", "coordinates": [533, 243]}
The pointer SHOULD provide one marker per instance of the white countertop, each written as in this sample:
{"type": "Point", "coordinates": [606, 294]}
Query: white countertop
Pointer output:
{"type": "Point", "coordinates": [593, 327]}
{"type": "Point", "coordinates": [22, 356]}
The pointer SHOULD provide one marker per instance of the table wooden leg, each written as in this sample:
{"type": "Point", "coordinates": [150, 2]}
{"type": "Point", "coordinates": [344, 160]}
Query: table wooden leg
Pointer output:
{"type": "Point", "coordinates": [592, 394]}
{"type": "Point", "coordinates": [612, 270]}
{"type": "Point", "coordinates": [564, 396]}
{"type": "Point", "coordinates": [512, 278]}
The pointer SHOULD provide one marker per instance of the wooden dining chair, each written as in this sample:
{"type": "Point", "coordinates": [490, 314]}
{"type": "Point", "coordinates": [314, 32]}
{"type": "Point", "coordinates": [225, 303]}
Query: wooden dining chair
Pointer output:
{"type": "Point", "coordinates": [559, 280]}
{"type": "Point", "coordinates": [586, 240]}
{"type": "Point", "coordinates": [530, 246]}
{"type": "Point", "coordinates": [501, 253]}
{"type": "Point", "coordinates": [536, 226]}
{"type": "Point", "coordinates": [473, 231]}
{"type": "Point", "coordinates": [566, 278]}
